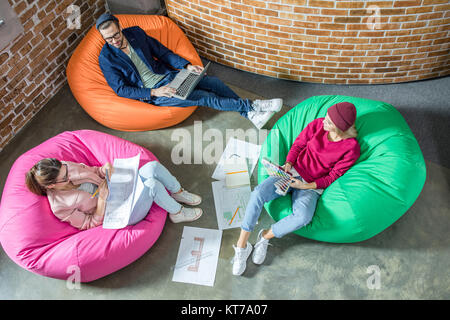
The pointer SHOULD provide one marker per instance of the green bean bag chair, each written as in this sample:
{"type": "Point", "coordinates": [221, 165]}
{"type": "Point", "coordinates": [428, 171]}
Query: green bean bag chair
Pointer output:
{"type": "Point", "coordinates": [380, 187]}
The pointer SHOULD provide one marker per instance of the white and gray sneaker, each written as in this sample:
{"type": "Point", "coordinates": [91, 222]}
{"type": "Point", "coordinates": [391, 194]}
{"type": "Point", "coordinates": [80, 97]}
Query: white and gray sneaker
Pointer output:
{"type": "Point", "coordinates": [186, 215]}
{"type": "Point", "coordinates": [240, 259]}
{"type": "Point", "coordinates": [259, 119]}
{"type": "Point", "coordinates": [187, 198]}
{"type": "Point", "coordinates": [267, 105]}
{"type": "Point", "coordinates": [259, 254]}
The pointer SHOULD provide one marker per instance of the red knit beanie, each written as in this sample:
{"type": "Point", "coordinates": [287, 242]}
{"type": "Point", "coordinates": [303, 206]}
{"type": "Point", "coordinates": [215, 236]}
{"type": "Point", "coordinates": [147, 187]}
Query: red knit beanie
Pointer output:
{"type": "Point", "coordinates": [343, 115]}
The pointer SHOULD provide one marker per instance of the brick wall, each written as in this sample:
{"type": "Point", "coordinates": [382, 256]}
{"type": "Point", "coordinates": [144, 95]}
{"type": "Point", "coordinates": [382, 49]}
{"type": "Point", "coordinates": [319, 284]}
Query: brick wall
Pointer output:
{"type": "Point", "coordinates": [343, 42]}
{"type": "Point", "coordinates": [32, 67]}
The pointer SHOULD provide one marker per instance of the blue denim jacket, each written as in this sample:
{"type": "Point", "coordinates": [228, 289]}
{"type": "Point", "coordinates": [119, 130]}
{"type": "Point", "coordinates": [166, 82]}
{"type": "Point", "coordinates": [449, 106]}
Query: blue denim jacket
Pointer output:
{"type": "Point", "coordinates": [121, 73]}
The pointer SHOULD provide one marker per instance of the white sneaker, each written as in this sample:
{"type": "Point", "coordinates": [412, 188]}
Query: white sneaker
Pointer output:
{"type": "Point", "coordinates": [186, 215]}
{"type": "Point", "coordinates": [267, 105]}
{"type": "Point", "coordinates": [240, 259]}
{"type": "Point", "coordinates": [187, 198]}
{"type": "Point", "coordinates": [259, 254]}
{"type": "Point", "coordinates": [259, 119]}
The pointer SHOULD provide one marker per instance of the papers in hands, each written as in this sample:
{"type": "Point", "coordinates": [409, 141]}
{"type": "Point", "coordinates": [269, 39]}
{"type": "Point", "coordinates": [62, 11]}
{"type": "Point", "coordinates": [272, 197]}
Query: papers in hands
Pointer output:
{"type": "Point", "coordinates": [125, 188]}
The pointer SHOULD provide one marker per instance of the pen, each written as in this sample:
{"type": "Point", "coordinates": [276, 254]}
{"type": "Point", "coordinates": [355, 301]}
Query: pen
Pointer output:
{"type": "Point", "coordinates": [96, 191]}
{"type": "Point", "coordinates": [234, 215]}
{"type": "Point", "coordinates": [236, 172]}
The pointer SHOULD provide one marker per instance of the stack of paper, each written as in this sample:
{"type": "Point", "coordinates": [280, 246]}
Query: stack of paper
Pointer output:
{"type": "Point", "coordinates": [232, 191]}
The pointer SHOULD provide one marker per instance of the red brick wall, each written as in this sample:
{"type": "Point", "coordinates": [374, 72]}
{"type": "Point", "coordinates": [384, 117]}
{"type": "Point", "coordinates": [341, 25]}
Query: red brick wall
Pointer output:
{"type": "Point", "coordinates": [32, 67]}
{"type": "Point", "coordinates": [321, 41]}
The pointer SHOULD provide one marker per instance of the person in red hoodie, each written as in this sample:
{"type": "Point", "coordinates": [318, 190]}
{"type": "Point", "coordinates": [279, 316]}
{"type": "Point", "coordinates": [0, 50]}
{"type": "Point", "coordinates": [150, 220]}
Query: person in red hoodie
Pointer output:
{"type": "Point", "coordinates": [322, 152]}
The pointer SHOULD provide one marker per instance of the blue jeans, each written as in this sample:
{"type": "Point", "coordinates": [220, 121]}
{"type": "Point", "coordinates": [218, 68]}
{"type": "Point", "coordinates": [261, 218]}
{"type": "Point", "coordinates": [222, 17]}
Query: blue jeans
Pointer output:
{"type": "Point", "coordinates": [303, 207]}
{"type": "Point", "coordinates": [156, 179]}
{"type": "Point", "coordinates": [210, 92]}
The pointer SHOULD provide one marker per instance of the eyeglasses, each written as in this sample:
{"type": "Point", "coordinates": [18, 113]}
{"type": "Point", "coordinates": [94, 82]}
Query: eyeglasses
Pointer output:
{"type": "Point", "coordinates": [115, 36]}
{"type": "Point", "coordinates": [66, 176]}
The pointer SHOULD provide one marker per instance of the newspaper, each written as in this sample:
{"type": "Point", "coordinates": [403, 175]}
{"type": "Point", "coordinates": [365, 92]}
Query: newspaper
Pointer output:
{"type": "Point", "coordinates": [125, 188]}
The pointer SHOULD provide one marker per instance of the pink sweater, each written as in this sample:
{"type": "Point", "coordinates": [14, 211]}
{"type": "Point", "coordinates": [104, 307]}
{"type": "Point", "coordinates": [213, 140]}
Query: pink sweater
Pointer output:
{"type": "Point", "coordinates": [75, 206]}
{"type": "Point", "coordinates": [318, 159]}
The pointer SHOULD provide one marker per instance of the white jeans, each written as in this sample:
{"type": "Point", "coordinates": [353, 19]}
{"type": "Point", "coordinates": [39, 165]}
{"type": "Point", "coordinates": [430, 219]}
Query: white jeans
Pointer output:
{"type": "Point", "coordinates": [156, 179]}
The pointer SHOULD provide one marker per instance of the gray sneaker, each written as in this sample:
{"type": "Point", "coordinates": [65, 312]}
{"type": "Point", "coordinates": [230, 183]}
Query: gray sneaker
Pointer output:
{"type": "Point", "coordinates": [267, 105]}
{"type": "Point", "coordinates": [186, 215]}
{"type": "Point", "coordinates": [240, 259]}
{"type": "Point", "coordinates": [259, 254]}
{"type": "Point", "coordinates": [187, 198]}
{"type": "Point", "coordinates": [259, 119]}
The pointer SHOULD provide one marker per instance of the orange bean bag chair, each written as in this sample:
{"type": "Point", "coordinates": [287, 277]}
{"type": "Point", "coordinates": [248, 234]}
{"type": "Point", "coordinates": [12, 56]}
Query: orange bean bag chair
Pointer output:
{"type": "Point", "coordinates": [99, 100]}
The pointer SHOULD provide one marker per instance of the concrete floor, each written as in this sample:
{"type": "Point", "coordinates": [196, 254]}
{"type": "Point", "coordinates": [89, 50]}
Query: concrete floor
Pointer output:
{"type": "Point", "coordinates": [412, 255]}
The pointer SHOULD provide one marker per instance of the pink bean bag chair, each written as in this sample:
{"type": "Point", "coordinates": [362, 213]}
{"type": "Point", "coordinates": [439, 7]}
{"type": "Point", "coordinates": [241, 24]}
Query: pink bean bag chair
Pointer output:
{"type": "Point", "coordinates": [38, 241]}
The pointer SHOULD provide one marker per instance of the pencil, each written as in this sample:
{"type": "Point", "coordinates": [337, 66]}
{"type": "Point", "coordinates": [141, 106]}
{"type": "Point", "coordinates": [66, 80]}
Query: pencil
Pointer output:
{"type": "Point", "coordinates": [234, 215]}
{"type": "Point", "coordinates": [95, 193]}
{"type": "Point", "coordinates": [236, 172]}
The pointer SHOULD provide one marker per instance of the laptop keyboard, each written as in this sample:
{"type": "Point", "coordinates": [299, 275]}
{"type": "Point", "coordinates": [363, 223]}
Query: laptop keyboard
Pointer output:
{"type": "Point", "coordinates": [184, 88]}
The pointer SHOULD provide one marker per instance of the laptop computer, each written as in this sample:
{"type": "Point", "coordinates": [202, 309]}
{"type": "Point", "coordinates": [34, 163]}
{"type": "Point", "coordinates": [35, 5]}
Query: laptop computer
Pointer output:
{"type": "Point", "coordinates": [186, 81]}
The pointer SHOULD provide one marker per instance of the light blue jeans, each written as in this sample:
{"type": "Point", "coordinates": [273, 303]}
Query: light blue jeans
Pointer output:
{"type": "Point", "coordinates": [303, 207]}
{"type": "Point", "coordinates": [156, 179]}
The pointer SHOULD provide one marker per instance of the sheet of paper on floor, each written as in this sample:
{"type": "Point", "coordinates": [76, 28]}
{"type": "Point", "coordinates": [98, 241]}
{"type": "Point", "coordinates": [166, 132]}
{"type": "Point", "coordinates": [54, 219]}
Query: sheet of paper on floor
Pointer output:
{"type": "Point", "coordinates": [237, 149]}
{"type": "Point", "coordinates": [230, 204]}
{"type": "Point", "coordinates": [198, 255]}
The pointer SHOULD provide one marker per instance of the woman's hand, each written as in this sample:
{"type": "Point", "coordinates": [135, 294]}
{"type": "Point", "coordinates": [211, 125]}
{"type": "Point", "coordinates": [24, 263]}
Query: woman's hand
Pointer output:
{"type": "Point", "coordinates": [164, 91]}
{"type": "Point", "coordinates": [287, 167]}
{"type": "Point", "coordinates": [103, 190]}
{"type": "Point", "coordinates": [298, 184]}
{"type": "Point", "coordinates": [103, 193]}
{"type": "Point", "coordinates": [107, 166]}
{"type": "Point", "coordinates": [196, 69]}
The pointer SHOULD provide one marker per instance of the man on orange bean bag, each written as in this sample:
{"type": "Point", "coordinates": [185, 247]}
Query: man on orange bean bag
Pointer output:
{"type": "Point", "coordinates": [137, 66]}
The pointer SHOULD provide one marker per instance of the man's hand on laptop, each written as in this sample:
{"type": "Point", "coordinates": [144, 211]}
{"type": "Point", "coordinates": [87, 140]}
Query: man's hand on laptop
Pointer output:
{"type": "Point", "coordinates": [164, 91]}
{"type": "Point", "coordinates": [196, 69]}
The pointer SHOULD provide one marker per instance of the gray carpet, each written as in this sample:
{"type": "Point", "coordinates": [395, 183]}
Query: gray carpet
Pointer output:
{"type": "Point", "coordinates": [412, 255]}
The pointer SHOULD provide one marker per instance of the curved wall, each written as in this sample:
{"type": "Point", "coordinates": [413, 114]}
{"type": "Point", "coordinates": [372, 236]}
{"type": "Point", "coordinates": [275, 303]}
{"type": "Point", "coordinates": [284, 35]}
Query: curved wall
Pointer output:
{"type": "Point", "coordinates": [345, 42]}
